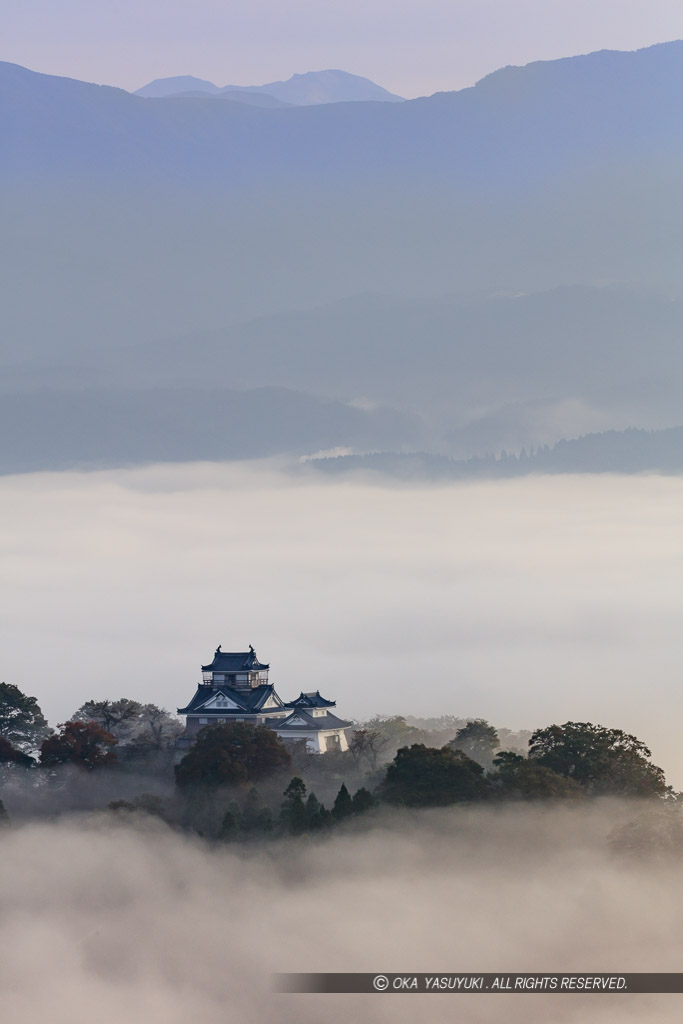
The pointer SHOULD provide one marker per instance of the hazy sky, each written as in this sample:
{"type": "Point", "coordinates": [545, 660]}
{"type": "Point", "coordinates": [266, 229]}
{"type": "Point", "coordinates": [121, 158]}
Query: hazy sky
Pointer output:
{"type": "Point", "coordinates": [412, 47]}
{"type": "Point", "coordinates": [524, 601]}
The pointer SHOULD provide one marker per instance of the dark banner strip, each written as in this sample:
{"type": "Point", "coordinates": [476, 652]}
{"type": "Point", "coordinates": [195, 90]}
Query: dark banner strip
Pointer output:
{"type": "Point", "coordinates": [605, 984]}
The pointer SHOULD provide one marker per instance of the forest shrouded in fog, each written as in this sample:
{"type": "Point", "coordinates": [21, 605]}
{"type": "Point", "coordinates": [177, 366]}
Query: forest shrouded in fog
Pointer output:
{"type": "Point", "coordinates": [146, 925]}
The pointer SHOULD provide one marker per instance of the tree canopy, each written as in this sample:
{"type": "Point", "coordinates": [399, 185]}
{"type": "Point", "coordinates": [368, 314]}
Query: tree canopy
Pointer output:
{"type": "Point", "coordinates": [21, 721]}
{"type": "Point", "coordinates": [231, 754]}
{"type": "Point", "coordinates": [600, 759]}
{"type": "Point", "coordinates": [84, 744]}
{"type": "Point", "coordinates": [421, 776]}
{"type": "Point", "coordinates": [10, 755]}
{"type": "Point", "coordinates": [478, 740]}
{"type": "Point", "coordinates": [144, 728]}
{"type": "Point", "coordinates": [394, 732]}
{"type": "Point", "coordinates": [117, 717]}
{"type": "Point", "coordinates": [366, 745]}
{"type": "Point", "coordinates": [518, 777]}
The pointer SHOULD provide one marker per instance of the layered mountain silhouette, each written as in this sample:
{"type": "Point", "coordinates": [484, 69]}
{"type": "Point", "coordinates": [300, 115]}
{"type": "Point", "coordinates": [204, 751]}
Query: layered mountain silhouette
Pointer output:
{"type": "Point", "coordinates": [300, 90]}
{"type": "Point", "coordinates": [613, 451]}
{"type": "Point", "coordinates": [177, 85]}
{"type": "Point", "coordinates": [485, 269]}
{"type": "Point", "coordinates": [515, 126]}
{"type": "Point", "coordinates": [474, 374]}
{"type": "Point", "coordinates": [251, 99]}
{"type": "Point", "coordinates": [103, 428]}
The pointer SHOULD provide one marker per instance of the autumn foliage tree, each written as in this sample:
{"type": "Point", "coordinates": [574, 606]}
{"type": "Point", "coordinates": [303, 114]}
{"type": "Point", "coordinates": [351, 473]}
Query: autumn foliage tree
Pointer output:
{"type": "Point", "coordinates": [231, 754]}
{"type": "Point", "coordinates": [84, 744]}
{"type": "Point", "coordinates": [141, 729]}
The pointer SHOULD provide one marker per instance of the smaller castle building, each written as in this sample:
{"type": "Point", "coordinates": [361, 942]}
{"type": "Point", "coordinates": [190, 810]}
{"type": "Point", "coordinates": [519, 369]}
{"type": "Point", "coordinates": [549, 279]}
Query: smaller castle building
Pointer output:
{"type": "Point", "coordinates": [235, 688]}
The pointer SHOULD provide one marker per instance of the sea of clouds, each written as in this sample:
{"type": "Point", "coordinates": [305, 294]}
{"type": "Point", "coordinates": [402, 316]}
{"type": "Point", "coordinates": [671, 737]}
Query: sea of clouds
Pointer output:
{"type": "Point", "coordinates": [108, 921]}
{"type": "Point", "coordinates": [524, 601]}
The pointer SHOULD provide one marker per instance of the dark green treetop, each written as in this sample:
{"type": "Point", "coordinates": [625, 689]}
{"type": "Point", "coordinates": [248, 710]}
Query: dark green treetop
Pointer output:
{"type": "Point", "coordinates": [602, 760]}
{"type": "Point", "coordinates": [21, 721]}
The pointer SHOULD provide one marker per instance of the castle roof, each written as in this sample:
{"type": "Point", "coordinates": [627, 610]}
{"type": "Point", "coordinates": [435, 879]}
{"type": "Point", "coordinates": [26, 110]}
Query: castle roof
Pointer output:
{"type": "Point", "coordinates": [234, 661]}
{"type": "Point", "coordinates": [310, 700]}
{"type": "Point", "coordinates": [246, 700]}
{"type": "Point", "coordinates": [301, 721]}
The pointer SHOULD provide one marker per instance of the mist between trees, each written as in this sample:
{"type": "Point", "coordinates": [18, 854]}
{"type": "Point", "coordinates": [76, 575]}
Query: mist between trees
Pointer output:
{"type": "Point", "coordinates": [241, 783]}
{"type": "Point", "coordinates": [154, 894]}
{"type": "Point", "coordinates": [109, 919]}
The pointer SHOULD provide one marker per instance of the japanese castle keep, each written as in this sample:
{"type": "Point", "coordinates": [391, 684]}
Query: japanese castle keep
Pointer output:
{"type": "Point", "coordinates": [235, 688]}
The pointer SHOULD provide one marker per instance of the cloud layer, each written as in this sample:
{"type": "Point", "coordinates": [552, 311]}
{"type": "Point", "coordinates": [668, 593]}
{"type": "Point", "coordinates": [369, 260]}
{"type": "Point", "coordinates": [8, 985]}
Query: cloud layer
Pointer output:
{"type": "Point", "coordinates": [524, 602]}
{"type": "Point", "coordinates": [108, 923]}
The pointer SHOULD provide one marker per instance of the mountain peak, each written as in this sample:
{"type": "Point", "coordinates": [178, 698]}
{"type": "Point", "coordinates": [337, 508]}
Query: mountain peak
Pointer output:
{"type": "Point", "coordinates": [176, 86]}
{"type": "Point", "coordinates": [306, 88]}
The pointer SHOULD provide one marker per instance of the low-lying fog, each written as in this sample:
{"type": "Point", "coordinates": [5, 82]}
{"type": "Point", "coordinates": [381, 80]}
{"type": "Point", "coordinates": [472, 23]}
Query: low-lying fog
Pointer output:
{"type": "Point", "coordinates": [525, 601]}
{"type": "Point", "coordinates": [103, 923]}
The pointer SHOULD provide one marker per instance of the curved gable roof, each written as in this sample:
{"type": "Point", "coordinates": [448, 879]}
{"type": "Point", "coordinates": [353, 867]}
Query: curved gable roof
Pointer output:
{"type": "Point", "coordinates": [301, 720]}
{"type": "Point", "coordinates": [248, 700]}
{"type": "Point", "coordinates": [310, 700]}
{"type": "Point", "coordinates": [234, 661]}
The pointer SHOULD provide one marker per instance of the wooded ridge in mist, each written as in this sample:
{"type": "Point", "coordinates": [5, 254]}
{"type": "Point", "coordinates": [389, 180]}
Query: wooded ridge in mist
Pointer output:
{"type": "Point", "coordinates": [613, 451]}
{"type": "Point", "coordinates": [211, 790]}
{"type": "Point", "coordinates": [109, 429]}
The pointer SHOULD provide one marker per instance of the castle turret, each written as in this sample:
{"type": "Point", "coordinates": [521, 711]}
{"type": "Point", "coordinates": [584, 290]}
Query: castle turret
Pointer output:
{"type": "Point", "coordinates": [239, 670]}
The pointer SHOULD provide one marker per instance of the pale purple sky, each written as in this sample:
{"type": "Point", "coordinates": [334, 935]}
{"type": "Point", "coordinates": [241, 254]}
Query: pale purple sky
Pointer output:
{"type": "Point", "coordinates": [412, 47]}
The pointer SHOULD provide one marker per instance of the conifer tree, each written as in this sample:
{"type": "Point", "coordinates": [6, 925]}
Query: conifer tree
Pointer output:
{"type": "Point", "coordinates": [256, 817]}
{"type": "Point", "coordinates": [363, 800]}
{"type": "Point", "coordinates": [231, 826]}
{"type": "Point", "coordinates": [293, 809]}
{"type": "Point", "coordinates": [343, 804]}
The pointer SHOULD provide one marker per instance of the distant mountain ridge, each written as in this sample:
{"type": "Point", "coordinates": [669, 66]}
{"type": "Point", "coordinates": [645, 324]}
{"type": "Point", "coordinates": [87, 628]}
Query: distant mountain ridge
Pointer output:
{"type": "Point", "coordinates": [605, 113]}
{"type": "Point", "coordinates": [308, 89]}
{"type": "Point", "coordinates": [103, 429]}
{"type": "Point", "coordinates": [176, 85]}
{"type": "Point", "coordinates": [196, 243]}
{"type": "Point", "coordinates": [612, 451]}
{"type": "Point", "coordinates": [484, 373]}
{"type": "Point", "coordinates": [251, 99]}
